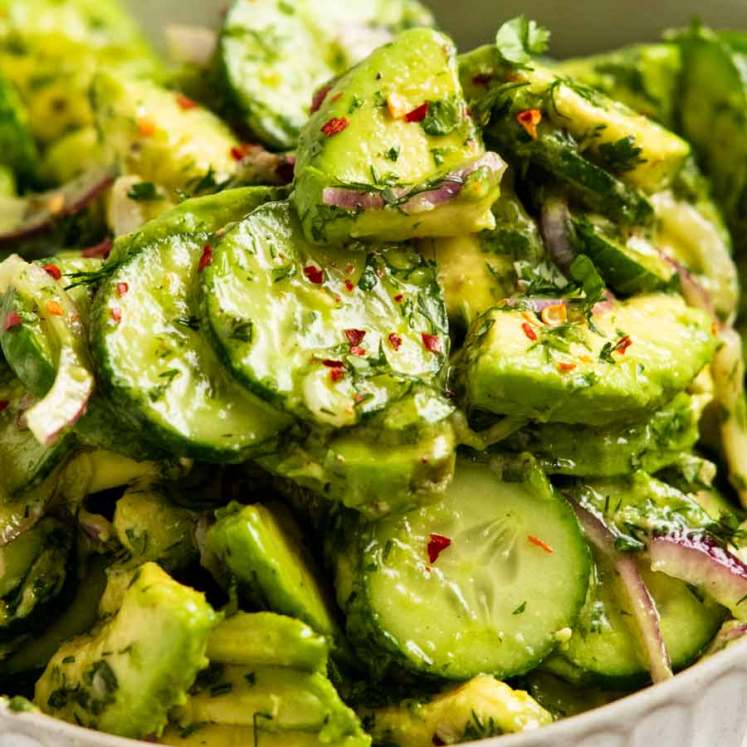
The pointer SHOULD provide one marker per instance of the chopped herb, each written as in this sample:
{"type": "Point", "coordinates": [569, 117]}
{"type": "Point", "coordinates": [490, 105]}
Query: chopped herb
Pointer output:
{"type": "Point", "coordinates": [281, 273]}
{"type": "Point", "coordinates": [622, 155]}
{"type": "Point", "coordinates": [518, 39]}
{"type": "Point", "coordinates": [242, 330]}
{"type": "Point", "coordinates": [520, 609]}
{"type": "Point", "coordinates": [442, 117]}
{"type": "Point", "coordinates": [393, 153]}
{"type": "Point", "coordinates": [143, 192]}
{"type": "Point", "coordinates": [355, 103]}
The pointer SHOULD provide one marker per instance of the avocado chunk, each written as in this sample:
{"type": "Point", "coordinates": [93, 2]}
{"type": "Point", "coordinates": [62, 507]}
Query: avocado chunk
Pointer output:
{"type": "Point", "coordinates": [35, 567]}
{"type": "Point", "coordinates": [159, 139]}
{"type": "Point", "coordinates": [270, 699]}
{"type": "Point", "coordinates": [152, 528]}
{"type": "Point", "coordinates": [645, 77]}
{"type": "Point", "coordinates": [481, 708]}
{"type": "Point", "coordinates": [124, 677]}
{"type": "Point", "coordinates": [329, 334]}
{"type": "Point", "coordinates": [392, 153]}
{"type": "Point", "coordinates": [400, 458]}
{"type": "Point", "coordinates": [650, 444]}
{"type": "Point", "coordinates": [266, 639]}
{"type": "Point", "coordinates": [262, 547]}
{"type": "Point", "coordinates": [640, 353]}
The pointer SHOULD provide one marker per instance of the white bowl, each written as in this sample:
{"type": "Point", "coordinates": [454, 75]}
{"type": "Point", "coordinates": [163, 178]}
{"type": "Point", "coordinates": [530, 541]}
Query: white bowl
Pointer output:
{"type": "Point", "coordinates": [705, 706]}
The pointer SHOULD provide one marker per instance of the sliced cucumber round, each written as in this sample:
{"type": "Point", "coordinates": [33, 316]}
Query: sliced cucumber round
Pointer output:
{"type": "Point", "coordinates": [603, 647]}
{"type": "Point", "coordinates": [481, 582]}
{"type": "Point", "coordinates": [330, 335]}
{"type": "Point", "coordinates": [159, 370]}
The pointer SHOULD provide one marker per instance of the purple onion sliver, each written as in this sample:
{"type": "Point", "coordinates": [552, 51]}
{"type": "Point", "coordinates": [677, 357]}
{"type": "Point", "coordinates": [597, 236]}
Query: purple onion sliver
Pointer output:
{"type": "Point", "coordinates": [696, 560]}
{"type": "Point", "coordinates": [639, 598]}
{"type": "Point", "coordinates": [554, 224]}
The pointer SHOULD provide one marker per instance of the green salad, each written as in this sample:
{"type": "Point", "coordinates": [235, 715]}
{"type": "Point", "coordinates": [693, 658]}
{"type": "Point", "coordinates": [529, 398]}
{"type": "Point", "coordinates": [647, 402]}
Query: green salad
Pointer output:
{"type": "Point", "coordinates": [357, 390]}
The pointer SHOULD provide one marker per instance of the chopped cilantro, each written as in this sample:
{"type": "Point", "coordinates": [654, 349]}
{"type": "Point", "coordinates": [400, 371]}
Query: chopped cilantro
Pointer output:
{"type": "Point", "coordinates": [518, 39]}
{"type": "Point", "coordinates": [442, 118]}
{"type": "Point", "coordinates": [621, 156]}
{"type": "Point", "coordinates": [144, 192]}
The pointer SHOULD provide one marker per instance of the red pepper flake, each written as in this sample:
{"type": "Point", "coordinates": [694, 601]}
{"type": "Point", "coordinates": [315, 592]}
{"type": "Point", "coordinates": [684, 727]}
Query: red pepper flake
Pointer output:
{"type": "Point", "coordinates": [146, 127]}
{"type": "Point", "coordinates": [318, 99]}
{"type": "Point", "coordinates": [337, 96]}
{"type": "Point", "coordinates": [122, 289]}
{"type": "Point", "coordinates": [4, 405]}
{"type": "Point", "coordinates": [335, 126]}
{"type": "Point", "coordinates": [529, 119]}
{"type": "Point", "coordinates": [336, 374]}
{"type": "Point", "coordinates": [185, 103]}
{"type": "Point", "coordinates": [418, 114]}
{"type": "Point", "coordinates": [437, 543]}
{"type": "Point", "coordinates": [431, 343]}
{"type": "Point", "coordinates": [314, 274]}
{"type": "Point", "coordinates": [116, 314]}
{"type": "Point", "coordinates": [13, 319]}
{"type": "Point", "coordinates": [623, 344]}
{"type": "Point", "coordinates": [54, 308]}
{"type": "Point", "coordinates": [355, 336]}
{"type": "Point", "coordinates": [242, 150]}
{"type": "Point", "coordinates": [53, 271]}
{"type": "Point", "coordinates": [206, 259]}
{"type": "Point", "coordinates": [356, 350]}
{"type": "Point", "coordinates": [99, 251]}
{"type": "Point", "coordinates": [566, 367]}
{"type": "Point", "coordinates": [395, 340]}
{"type": "Point", "coordinates": [349, 286]}
{"type": "Point", "coordinates": [528, 331]}
{"type": "Point", "coordinates": [398, 298]}
{"type": "Point", "coordinates": [332, 364]}
{"type": "Point", "coordinates": [537, 542]}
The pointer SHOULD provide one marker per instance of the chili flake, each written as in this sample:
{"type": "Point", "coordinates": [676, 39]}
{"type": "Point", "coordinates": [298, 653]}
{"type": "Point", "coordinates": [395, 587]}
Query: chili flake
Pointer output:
{"type": "Point", "coordinates": [122, 289]}
{"type": "Point", "coordinates": [206, 259]}
{"type": "Point", "coordinates": [13, 319]}
{"type": "Point", "coordinates": [318, 99]}
{"type": "Point", "coordinates": [116, 314]}
{"type": "Point", "coordinates": [554, 315]}
{"type": "Point", "coordinates": [431, 343]}
{"type": "Point", "coordinates": [529, 119]}
{"type": "Point", "coordinates": [54, 308]}
{"type": "Point", "coordinates": [99, 251]}
{"type": "Point", "coordinates": [395, 340]}
{"type": "Point", "coordinates": [314, 274]}
{"type": "Point", "coordinates": [537, 542]}
{"type": "Point", "coordinates": [241, 151]}
{"type": "Point", "coordinates": [332, 363]}
{"type": "Point", "coordinates": [355, 336]}
{"type": "Point", "coordinates": [349, 286]}
{"type": "Point", "coordinates": [418, 114]}
{"type": "Point", "coordinates": [336, 374]}
{"type": "Point", "coordinates": [185, 103]}
{"type": "Point", "coordinates": [4, 405]}
{"type": "Point", "coordinates": [146, 127]}
{"type": "Point", "coordinates": [335, 126]}
{"type": "Point", "coordinates": [566, 367]}
{"type": "Point", "coordinates": [398, 298]}
{"type": "Point", "coordinates": [623, 344]}
{"type": "Point", "coordinates": [437, 543]}
{"type": "Point", "coordinates": [53, 271]}
{"type": "Point", "coordinates": [357, 350]}
{"type": "Point", "coordinates": [529, 332]}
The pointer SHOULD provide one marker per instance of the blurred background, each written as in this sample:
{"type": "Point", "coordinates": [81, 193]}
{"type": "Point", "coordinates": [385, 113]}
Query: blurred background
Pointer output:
{"type": "Point", "coordinates": [578, 26]}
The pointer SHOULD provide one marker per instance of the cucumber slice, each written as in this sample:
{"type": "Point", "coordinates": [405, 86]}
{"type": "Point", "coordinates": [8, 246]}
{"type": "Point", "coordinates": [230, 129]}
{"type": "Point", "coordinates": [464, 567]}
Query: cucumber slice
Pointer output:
{"type": "Point", "coordinates": [171, 383]}
{"type": "Point", "coordinates": [713, 110]}
{"type": "Point", "coordinates": [264, 639]}
{"type": "Point", "coordinates": [514, 365]}
{"type": "Point", "coordinates": [512, 573]}
{"type": "Point", "coordinates": [261, 547]}
{"type": "Point", "coordinates": [399, 459]}
{"type": "Point", "coordinates": [629, 265]}
{"type": "Point", "coordinates": [603, 647]}
{"type": "Point", "coordinates": [650, 445]}
{"type": "Point", "coordinates": [329, 335]}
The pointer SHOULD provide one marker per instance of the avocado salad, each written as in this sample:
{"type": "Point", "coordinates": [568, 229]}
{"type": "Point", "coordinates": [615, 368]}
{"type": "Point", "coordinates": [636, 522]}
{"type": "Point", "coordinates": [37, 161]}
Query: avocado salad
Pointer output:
{"type": "Point", "coordinates": [359, 391]}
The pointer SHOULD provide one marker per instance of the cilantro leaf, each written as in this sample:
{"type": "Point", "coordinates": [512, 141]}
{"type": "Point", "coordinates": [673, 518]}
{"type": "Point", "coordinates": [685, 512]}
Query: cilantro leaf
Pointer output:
{"type": "Point", "coordinates": [583, 271]}
{"type": "Point", "coordinates": [442, 117]}
{"type": "Point", "coordinates": [518, 39]}
{"type": "Point", "coordinates": [621, 156]}
{"type": "Point", "coordinates": [143, 192]}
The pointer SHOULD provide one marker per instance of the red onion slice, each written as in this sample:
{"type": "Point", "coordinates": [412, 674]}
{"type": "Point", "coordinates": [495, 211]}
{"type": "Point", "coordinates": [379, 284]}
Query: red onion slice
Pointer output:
{"type": "Point", "coordinates": [697, 560]}
{"type": "Point", "coordinates": [348, 198]}
{"type": "Point", "coordinates": [638, 596]}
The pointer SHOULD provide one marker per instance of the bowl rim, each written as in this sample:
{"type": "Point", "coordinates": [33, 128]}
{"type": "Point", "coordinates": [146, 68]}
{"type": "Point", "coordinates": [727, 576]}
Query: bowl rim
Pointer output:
{"type": "Point", "coordinates": [651, 696]}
